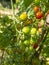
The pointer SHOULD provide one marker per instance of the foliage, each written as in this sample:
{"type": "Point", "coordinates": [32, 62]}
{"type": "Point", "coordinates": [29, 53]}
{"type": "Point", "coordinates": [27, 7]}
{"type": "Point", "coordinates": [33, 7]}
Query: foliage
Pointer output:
{"type": "Point", "coordinates": [25, 37]}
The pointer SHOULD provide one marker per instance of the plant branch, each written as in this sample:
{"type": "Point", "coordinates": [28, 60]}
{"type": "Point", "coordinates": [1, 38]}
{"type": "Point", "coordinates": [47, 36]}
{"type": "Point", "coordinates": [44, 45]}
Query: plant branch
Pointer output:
{"type": "Point", "coordinates": [40, 41]}
{"type": "Point", "coordinates": [2, 57]}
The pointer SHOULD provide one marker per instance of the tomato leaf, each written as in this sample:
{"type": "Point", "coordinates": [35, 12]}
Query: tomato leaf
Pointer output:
{"type": "Point", "coordinates": [27, 2]}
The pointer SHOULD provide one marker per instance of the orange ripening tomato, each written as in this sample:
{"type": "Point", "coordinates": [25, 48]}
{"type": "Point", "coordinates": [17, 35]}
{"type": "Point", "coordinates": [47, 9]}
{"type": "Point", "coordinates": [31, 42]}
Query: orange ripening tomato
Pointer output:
{"type": "Point", "coordinates": [39, 15]}
{"type": "Point", "coordinates": [40, 30]}
{"type": "Point", "coordinates": [36, 9]}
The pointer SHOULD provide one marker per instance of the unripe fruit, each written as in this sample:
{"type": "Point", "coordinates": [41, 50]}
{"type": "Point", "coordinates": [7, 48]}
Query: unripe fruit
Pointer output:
{"type": "Point", "coordinates": [26, 42]}
{"type": "Point", "coordinates": [39, 15]}
{"type": "Point", "coordinates": [47, 63]}
{"type": "Point", "coordinates": [26, 30]}
{"type": "Point", "coordinates": [32, 41]}
{"type": "Point", "coordinates": [33, 31]}
{"type": "Point", "coordinates": [41, 23]}
{"type": "Point", "coordinates": [47, 59]}
{"type": "Point", "coordinates": [30, 48]}
{"type": "Point", "coordinates": [23, 16]}
{"type": "Point", "coordinates": [37, 1]}
{"type": "Point", "coordinates": [39, 30]}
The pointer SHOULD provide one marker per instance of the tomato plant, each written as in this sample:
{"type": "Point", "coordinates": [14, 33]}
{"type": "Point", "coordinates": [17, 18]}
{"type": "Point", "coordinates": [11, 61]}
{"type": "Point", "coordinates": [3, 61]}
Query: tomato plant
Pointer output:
{"type": "Point", "coordinates": [24, 37]}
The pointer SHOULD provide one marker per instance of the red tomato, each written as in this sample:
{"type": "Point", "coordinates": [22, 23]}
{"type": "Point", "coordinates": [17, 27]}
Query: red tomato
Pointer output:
{"type": "Point", "coordinates": [36, 9]}
{"type": "Point", "coordinates": [39, 15]}
{"type": "Point", "coordinates": [35, 46]}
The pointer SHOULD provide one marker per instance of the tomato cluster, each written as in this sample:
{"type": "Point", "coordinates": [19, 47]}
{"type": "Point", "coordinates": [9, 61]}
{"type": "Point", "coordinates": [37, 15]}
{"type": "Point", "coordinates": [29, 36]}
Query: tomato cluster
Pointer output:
{"type": "Point", "coordinates": [27, 24]}
{"type": "Point", "coordinates": [22, 37]}
{"type": "Point", "coordinates": [38, 13]}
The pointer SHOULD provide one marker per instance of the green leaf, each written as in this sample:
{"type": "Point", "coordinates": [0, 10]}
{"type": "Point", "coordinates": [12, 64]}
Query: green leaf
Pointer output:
{"type": "Point", "coordinates": [27, 2]}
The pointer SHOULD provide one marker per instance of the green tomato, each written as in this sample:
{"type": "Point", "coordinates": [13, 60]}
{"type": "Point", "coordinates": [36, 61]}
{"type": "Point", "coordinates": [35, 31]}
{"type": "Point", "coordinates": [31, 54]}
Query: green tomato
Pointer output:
{"type": "Point", "coordinates": [31, 48]}
{"type": "Point", "coordinates": [37, 1]}
{"type": "Point", "coordinates": [26, 49]}
{"type": "Point", "coordinates": [32, 41]}
{"type": "Point", "coordinates": [26, 42]}
{"type": "Point", "coordinates": [26, 30]}
{"type": "Point", "coordinates": [33, 31]}
{"type": "Point", "coordinates": [22, 37]}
